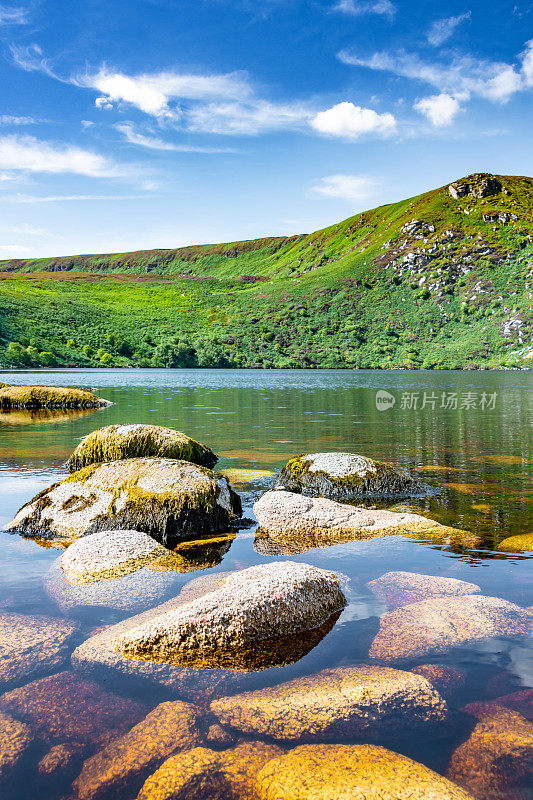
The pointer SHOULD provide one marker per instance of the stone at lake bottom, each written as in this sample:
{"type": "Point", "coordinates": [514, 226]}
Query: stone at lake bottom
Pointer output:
{"type": "Point", "coordinates": [346, 476]}
{"type": "Point", "coordinates": [32, 645]}
{"type": "Point", "coordinates": [433, 626]}
{"type": "Point", "coordinates": [60, 758]}
{"type": "Point", "coordinates": [218, 736]}
{"type": "Point", "coordinates": [166, 498]}
{"type": "Point", "coordinates": [225, 627]}
{"type": "Point", "coordinates": [295, 523]}
{"type": "Point", "coordinates": [98, 658]}
{"type": "Point", "coordinates": [128, 760]}
{"type": "Point", "coordinates": [203, 774]}
{"type": "Point", "coordinates": [133, 593]}
{"type": "Point", "coordinates": [109, 554]}
{"type": "Point", "coordinates": [517, 544]}
{"type": "Point", "coordinates": [15, 738]}
{"type": "Point", "coordinates": [397, 589]}
{"type": "Point", "coordinates": [446, 680]}
{"type": "Point", "coordinates": [351, 772]}
{"type": "Point", "coordinates": [64, 707]}
{"type": "Point", "coordinates": [496, 761]}
{"type": "Point", "coordinates": [48, 397]}
{"type": "Point", "coordinates": [116, 442]}
{"type": "Point", "coordinates": [521, 701]}
{"type": "Point", "coordinates": [347, 701]}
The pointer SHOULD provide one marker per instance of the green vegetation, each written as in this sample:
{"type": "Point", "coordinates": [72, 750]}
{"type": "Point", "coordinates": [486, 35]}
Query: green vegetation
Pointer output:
{"type": "Point", "coordinates": [434, 282]}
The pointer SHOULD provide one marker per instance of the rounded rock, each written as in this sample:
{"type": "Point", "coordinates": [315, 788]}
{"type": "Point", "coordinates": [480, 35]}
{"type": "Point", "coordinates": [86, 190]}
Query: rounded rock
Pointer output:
{"type": "Point", "coordinates": [397, 589]}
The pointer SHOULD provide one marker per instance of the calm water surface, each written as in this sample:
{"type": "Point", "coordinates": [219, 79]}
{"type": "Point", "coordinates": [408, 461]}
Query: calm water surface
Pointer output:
{"type": "Point", "coordinates": [469, 434]}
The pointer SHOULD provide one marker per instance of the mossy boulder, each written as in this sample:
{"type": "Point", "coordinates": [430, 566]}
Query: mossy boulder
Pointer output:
{"type": "Point", "coordinates": [523, 543]}
{"type": "Point", "coordinates": [346, 476]}
{"type": "Point", "coordinates": [33, 397]}
{"type": "Point", "coordinates": [166, 498]}
{"type": "Point", "coordinates": [117, 442]}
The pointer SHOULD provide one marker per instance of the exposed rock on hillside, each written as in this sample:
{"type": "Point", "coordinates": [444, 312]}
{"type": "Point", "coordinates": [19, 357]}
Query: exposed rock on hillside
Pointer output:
{"type": "Point", "coordinates": [346, 476]}
{"type": "Point", "coordinates": [166, 498]}
{"type": "Point", "coordinates": [116, 442]}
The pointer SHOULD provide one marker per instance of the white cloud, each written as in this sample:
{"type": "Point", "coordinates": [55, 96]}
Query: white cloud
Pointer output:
{"type": "Point", "coordinates": [158, 94]}
{"type": "Point", "coordinates": [346, 187]}
{"type": "Point", "coordinates": [31, 198]}
{"type": "Point", "coordinates": [351, 122]}
{"type": "Point", "coordinates": [443, 29]}
{"type": "Point", "coordinates": [248, 118]}
{"type": "Point", "coordinates": [359, 7]}
{"type": "Point", "coordinates": [7, 119]}
{"type": "Point", "coordinates": [493, 80]}
{"type": "Point", "coordinates": [14, 250]}
{"type": "Point", "coordinates": [156, 143]}
{"type": "Point", "coordinates": [527, 63]}
{"type": "Point", "coordinates": [30, 154]}
{"type": "Point", "coordinates": [440, 109]}
{"type": "Point", "coordinates": [13, 16]}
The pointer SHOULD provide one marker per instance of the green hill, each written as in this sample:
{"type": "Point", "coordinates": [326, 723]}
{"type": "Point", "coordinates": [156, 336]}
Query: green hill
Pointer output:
{"type": "Point", "coordinates": [442, 280]}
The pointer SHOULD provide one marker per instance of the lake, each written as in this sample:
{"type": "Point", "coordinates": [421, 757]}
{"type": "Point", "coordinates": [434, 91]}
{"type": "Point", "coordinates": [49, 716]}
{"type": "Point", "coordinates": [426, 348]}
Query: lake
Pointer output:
{"type": "Point", "coordinates": [467, 434]}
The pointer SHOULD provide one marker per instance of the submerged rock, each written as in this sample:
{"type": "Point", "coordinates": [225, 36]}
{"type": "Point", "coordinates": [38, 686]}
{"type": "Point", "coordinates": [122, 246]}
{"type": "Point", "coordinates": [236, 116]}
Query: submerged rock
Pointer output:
{"type": "Point", "coordinates": [397, 589]}
{"type": "Point", "coordinates": [446, 680]}
{"type": "Point", "coordinates": [60, 758]}
{"type": "Point", "coordinates": [15, 738]}
{"type": "Point", "coordinates": [291, 523]}
{"type": "Point", "coordinates": [347, 701]}
{"type": "Point", "coordinates": [232, 625]}
{"type": "Point", "coordinates": [354, 772]}
{"type": "Point", "coordinates": [32, 645]}
{"type": "Point", "coordinates": [109, 554]}
{"type": "Point", "coordinates": [496, 761]}
{"type": "Point", "coordinates": [117, 442]}
{"type": "Point", "coordinates": [170, 728]}
{"type": "Point", "coordinates": [48, 397]}
{"type": "Point", "coordinates": [64, 707]}
{"type": "Point", "coordinates": [166, 498]}
{"type": "Point", "coordinates": [194, 554]}
{"type": "Point", "coordinates": [346, 476]}
{"type": "Point", "coordinates": [205, 774]}
{"type": "Point", "coordinates": [98, 657]}
{"type": "Point", "coordinates": [517, 544]}
{"type": "Point", "coordinates": [434, 626]}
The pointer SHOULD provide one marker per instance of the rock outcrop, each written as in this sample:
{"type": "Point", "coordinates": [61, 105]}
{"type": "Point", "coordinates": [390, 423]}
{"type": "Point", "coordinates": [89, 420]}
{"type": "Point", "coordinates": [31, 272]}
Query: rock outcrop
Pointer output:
{"type": "Point", "coordinates": [205, 774]}
{"type": "Point", "coordinates": [292, 523]}
{"type": "Point", "coordinates": [496, 761]}
{"type": "Point", "coordinates": [434, 626]}
{"type": "Point", "coordinates": [117, 442]}
{"type": "Point", "coordinates": [33, 397]}
{"type": "Point", "coordinates": [109, 554]}
{"type": "Point", "coordinates": [347, 701]}
{"type": "Point", "coordinates": [346, 476]}
{"type": "Point", "coordinates": [479, 185]}
{"type": "Point", "coordinates": [166, 498]}
{"type": "Point", "coordinates": [32, 645]}
{"type": "Point", "coordinates": [397, 589]}
{"type": "Point", "coordinates": [357, 772]}
{"type": "Point", "coordinates": [235, 626]}
{"type": "Point", "coordinates": [120, 767]}
{"type": "Point", "coordinates": [15, 738]}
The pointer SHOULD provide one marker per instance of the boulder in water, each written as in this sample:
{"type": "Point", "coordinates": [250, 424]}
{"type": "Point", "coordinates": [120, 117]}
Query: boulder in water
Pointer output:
{"type": "Point", "coordinates": [397, 589]}
{"type": "Point", "coordinates": [32, 397]}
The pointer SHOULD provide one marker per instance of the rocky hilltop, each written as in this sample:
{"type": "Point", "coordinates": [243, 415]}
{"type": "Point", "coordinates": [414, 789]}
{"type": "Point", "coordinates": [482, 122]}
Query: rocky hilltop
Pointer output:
{"type": "Point", "coordinates": [442, 280]}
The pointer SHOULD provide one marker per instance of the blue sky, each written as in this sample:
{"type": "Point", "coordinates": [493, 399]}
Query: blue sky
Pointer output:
{"type": "Point", "coordinates": [159, 123]}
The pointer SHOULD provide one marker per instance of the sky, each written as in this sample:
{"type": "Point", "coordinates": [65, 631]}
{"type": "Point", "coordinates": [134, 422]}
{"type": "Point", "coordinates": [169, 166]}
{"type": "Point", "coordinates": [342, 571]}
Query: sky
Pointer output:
{"type": "Point", "coordinates": [136, 124]}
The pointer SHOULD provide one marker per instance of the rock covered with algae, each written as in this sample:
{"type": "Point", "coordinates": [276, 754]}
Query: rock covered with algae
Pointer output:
{"type": "Point", "coordinates": [357, 772]}
{"type": "Point", "coordinates": [397, 589]}
{"type": "Point", "coordinates": [117, 442]}
{"type": "Point", "coordinates": [166, 498]}
{"type": "Point", "coordinates": [33, 397]}
{"type": "Point", "coordinates": [434, 626]}
{"type": "Point", "coordinates": [293, 523]}
{"type": "Point", "coordinates": [234, 623]}
{"type": "Point", "coordinates": [523, 543]}
{"type": "Point", "coordinates": [347, 476]}
{"type": "Point", "coordinates": [358, 701]}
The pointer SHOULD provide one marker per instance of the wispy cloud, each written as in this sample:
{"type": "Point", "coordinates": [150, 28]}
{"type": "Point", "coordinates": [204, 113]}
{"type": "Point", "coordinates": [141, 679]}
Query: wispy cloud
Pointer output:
{"type": "Point", "coordinates": [358, 8]}
{"type": "Point", "coordinates": [156, 143]}
{"type": "Point", "coordinates": [26, 153]}
{"type": "Point", "coordinates": [7, 119]}
{"type": "Point", "coordinates": [440, 109]}
{"type": "Point", "coordinates": [11, 15]}
{"type": "Point", "coordinates": [353, 188]}
{"type": "Point", "coordinates": [247, 118]}
{"type": "Point", "coordinates": [443, 29]}
{"type": "Point", "coordinates": [351, 122]}
{"type": "Point", "coordinates": [14, 250]}
{"type": "Point", "coordinates": [31, 198]}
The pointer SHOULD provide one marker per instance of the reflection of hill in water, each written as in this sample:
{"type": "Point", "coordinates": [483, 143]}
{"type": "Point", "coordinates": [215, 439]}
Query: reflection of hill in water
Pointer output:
{"type": "Point", "coordinates": [40, 416]}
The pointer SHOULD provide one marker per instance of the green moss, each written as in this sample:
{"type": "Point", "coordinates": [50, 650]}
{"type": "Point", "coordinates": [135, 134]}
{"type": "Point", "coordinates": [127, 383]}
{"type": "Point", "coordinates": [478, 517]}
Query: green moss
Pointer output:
{"type": "Point", "coordinates": [47, 397]}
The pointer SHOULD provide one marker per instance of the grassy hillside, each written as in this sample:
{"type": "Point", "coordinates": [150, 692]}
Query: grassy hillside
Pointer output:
{"type": "Point", "coordinates": [442, 280]}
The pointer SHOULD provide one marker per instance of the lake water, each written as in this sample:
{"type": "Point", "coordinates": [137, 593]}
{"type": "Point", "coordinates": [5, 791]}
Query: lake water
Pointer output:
{"type": "Point", "coordinates": [468, 434]}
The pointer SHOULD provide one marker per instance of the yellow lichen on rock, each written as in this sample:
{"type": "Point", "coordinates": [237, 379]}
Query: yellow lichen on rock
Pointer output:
{"type": "Point", "coordinates": [523, 543]}
{"type": "Point", "coordinates": [48, 397]}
